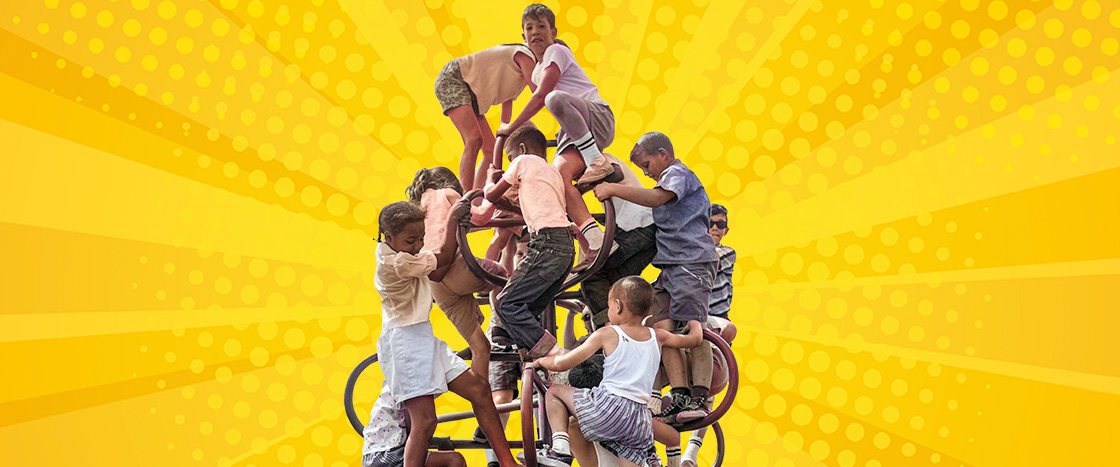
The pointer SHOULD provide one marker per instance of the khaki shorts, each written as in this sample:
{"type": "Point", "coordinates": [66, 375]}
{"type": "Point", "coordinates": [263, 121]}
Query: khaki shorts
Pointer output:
{"type": "Point", "coordinates": [455, 296]}
{"type": "Point", "coordinates": [452, 91]}
{"type": "Point", "coordinates": [682, 292]}
{"type": "Point", "coordinates": [600, 121]}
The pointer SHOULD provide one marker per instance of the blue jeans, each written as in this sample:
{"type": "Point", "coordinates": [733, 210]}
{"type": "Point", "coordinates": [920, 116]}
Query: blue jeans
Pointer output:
{"type": "Point", "coordinates": [533, 287]}
{"type": "Point", "coordinates": [636, 248]}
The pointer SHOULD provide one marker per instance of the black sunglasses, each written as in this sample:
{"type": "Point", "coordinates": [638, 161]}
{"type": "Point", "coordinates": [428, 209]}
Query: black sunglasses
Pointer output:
{"type": "Point", "coordinates": [720, 224]}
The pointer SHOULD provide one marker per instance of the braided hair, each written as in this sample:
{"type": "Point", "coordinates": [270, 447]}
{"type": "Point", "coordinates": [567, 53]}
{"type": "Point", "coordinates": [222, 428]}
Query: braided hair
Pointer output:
{"type": "Point", "coordinates": [396, 216]}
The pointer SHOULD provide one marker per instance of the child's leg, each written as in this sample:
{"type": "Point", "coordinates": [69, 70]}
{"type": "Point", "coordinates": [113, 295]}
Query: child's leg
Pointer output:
{"type": "Point", "coordinates": [582, 449]}
{"type": "Point", "coordinates": [534, 284]}
{"type": "Point", "coordinates": [466, 121]}
{"type": "Point", "coordinates": [672, 360]}
{"type": "Point", "coordinates": [446, 459]}
{"type": "Point", "coordinates": [500, 397]}
{"type": "Point", "coordinates": [671, 438]}
{"type": "Point", "coordinates": [558, 403]}
{"type": "Point", "coordinates": [487, 153]}
{"type": "Point", "coordinates": [570, 164]}
{"type": "Point", "coordinates": [509, 254]}
{"type": "Point", "coordinates": [700, 364]}
{"type": "Point", "coordinates": [693, 450]}
{"type": "Point", "coordinates": [502, 236]}
{"type": "Point", "coordinates": [480, 352]}
{"type": "Point", "coordinates": [422, 414]}
{"type": "Point", "coordinates": [574, 116]}
{"type": "Point", "coordinates": [476, 390]}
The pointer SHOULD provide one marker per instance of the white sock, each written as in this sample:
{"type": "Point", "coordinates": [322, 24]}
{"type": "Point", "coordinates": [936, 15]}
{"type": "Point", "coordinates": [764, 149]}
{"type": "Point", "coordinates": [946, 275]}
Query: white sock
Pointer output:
{"type": "Point", "coordinates": [560, 444]}
{"type": "Point", "coordinates": [588, 149]}
{"type": "Point", "coordinates": [674, 456]}
{"type": "Point", "coordinates": [490, 456]}
{"type": "Point", "coordinates": [694, 443]}
{"type": "Point", "coordinates": [654, 400]}
{"type": "Point", "coordinates": [593, 234]}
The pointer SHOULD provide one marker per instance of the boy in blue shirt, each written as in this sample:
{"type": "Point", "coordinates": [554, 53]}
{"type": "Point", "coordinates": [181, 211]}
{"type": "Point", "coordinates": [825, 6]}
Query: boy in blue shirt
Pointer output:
{"type": "Point", "coordinates": [687, 258]}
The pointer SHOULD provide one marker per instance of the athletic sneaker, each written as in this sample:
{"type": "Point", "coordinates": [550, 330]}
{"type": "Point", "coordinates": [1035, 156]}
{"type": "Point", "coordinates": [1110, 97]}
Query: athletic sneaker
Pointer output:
{"type": "Point", "coordinates": [479, 436]}
{"type": "Point", "coordinates": [597, 170]}
{"type": "Point", "coordinates": [695, 409]}
{"type": "Point", "coordinates": [671, 405]}
{"type": "Point", "coordinates": [548, 458]}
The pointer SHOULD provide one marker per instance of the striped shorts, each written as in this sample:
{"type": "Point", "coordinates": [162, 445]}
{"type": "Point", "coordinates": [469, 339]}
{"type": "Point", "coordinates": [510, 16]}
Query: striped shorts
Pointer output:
{"type": "Point", "coordinates": [622, 426]}
{"type": "Point", "coordinates": [391, 458]}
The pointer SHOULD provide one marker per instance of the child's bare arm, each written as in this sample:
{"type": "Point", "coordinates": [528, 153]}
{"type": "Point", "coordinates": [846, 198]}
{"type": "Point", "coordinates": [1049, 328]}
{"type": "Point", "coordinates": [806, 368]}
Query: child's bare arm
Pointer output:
{"type": "Point", "coordinates": [527, 66]}
{"type": "Point", "coordinates": [507, 113]}
{"type": "Point", "coordinates": [494, 193]}
{"type": "Point", "coordinates": [648, 197]}
{"type": "Point", "coordinates": [570, 359]}
{"type": "Point", "coordinates": [536, 103]}
{"type": "Point", "coordinates": [682, 341]}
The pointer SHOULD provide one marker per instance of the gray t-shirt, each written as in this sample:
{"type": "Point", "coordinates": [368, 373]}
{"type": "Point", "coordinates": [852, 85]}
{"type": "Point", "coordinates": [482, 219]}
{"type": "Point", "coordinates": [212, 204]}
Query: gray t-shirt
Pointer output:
{"type": "Point", "coordinates": [682, 223]}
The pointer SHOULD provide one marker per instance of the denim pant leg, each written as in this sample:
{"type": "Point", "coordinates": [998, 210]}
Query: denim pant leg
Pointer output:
{"type": "Point", "coordinates": [636, 249]}
{"type": "Point", "coordinates": [534, 285]}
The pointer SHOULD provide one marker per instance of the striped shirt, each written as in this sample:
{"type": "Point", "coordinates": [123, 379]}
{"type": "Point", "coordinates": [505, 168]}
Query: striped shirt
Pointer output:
{"type": "Point", "coordinates": [721, 293]}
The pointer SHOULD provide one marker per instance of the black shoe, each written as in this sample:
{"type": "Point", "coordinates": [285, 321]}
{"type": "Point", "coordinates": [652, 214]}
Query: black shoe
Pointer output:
{"type": "Point", "coordinates": [494, 464]}
{"type": "Point", "coordinates": [671, 407]}
{"type": "Point", "coordinates": [695, 409]}
{"type": "Point", "coordinates": [479, 436]}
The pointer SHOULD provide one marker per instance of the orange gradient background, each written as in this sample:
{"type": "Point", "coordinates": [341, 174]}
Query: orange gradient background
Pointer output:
{"type": "Point", "coordinates": [924, 198]}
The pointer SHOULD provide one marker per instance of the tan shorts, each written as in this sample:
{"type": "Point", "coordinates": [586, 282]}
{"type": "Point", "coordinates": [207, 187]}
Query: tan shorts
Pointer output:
{"type": "Point", "coordinates": [455, 296]}
{"type": "Point", "coordinates": [600, 121]}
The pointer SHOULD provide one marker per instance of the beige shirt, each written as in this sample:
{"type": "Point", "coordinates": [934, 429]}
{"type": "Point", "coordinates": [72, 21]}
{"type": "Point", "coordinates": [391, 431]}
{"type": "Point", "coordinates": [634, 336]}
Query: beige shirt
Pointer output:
{"type": "Point", "coordinates": [402, 281]}
{"type": "Point", "coordinates": [493, 75]}
{"type": "Point", "coordinates": [542, 192]}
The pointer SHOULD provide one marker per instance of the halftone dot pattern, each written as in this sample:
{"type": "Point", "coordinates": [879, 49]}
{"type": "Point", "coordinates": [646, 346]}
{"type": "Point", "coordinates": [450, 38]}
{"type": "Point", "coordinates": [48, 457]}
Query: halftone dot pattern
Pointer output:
{"type": "Point", "coordinates": [918, 193]}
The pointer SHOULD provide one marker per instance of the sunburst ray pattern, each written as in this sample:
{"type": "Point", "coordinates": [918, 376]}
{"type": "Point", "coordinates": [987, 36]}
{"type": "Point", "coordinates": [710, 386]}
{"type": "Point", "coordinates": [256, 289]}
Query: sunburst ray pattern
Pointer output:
{"type": "Point", "coordinates": [924, 196]}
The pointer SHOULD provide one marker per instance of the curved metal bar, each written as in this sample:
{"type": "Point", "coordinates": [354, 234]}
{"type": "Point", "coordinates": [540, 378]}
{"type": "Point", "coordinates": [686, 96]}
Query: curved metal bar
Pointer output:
{"type": "Point", "coordinates": [465, 249]}
{"type": "Point", "coordinates": [729, 393]}
{"type": "Point", "coordinates": [543, 428]}
{"type": "Point", "coordinates": [502, 409]}
{"type": "Point", "coordinates": [719, 445]}
{"type": "Point", "coordinates": [601, 259]}
{"type": "Point", "coordinates": [348, 394]}
{"type": "Point", "coordinates": [528, 431]}
{"type": "Point", "coordinates": [499, 147]}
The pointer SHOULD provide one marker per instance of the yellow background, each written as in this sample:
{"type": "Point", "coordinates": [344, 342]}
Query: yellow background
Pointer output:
{"type": "Point", "coordinates": [924, 197]}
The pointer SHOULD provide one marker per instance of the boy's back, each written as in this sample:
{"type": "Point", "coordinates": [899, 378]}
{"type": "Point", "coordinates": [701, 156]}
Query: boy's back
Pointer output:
{"type": "Point", "coordinates": [542, 192]}
{"type": "Point", "coordinates": [682, 223]}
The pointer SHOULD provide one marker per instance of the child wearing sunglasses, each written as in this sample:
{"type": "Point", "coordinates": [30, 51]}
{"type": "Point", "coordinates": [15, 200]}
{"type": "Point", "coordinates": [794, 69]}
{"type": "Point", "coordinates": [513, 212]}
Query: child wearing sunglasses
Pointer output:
{"type": "Point", "coordinates": [721, 293]}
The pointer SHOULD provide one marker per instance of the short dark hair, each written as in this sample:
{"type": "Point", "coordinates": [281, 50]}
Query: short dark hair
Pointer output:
{"type": "Point", "coordinates": [637, 294]}
{"type": "Point", "coordinates": [396, 216]}
{"type": "Point", "coordinates": [718, 209]}
{"type": "Point", "coordinates": [539, 11]}
{"type": "Point", "coordinates": [588, 373]}
{"type": "Point", "coordinates": [650, 142]}
{"type": "Point", "coordinates": [530, 136]}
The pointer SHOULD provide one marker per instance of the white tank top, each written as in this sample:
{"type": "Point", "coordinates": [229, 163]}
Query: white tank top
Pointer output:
{"type": "Point", "coordinates": [629, 371]}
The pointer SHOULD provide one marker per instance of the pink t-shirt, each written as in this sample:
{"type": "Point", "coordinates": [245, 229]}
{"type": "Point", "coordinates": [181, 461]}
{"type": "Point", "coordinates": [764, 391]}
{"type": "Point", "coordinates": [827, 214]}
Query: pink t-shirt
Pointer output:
{"type": "Point", "coordinates": [437, 204]}
{"type": "Point", "coordinates": [542, 192]}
